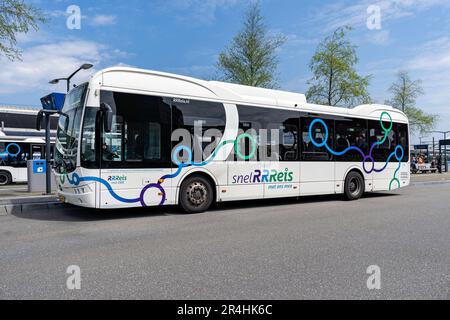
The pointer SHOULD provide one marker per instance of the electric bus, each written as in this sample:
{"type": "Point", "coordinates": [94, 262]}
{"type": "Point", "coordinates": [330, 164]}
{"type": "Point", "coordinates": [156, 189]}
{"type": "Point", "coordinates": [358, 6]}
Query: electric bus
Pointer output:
{"type": "Point", "coordinates": [138, 138]}
{"type": "Point", "coordinates": [14, 154]}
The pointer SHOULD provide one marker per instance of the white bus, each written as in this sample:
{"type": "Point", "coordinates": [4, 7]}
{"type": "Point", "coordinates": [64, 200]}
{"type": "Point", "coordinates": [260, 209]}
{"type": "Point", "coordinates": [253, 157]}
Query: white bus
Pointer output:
{"type": "Point", "coordinates": [137, 138]}
{"type": "Point", "coordinates": [14, 154]}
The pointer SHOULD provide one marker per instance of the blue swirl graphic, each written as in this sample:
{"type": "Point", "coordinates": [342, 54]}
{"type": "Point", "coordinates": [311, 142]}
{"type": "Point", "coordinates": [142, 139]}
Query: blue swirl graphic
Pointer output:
{"type": "Point", "coordinates": [13, 145]}
{"type": "Point", "coordinates": [76, 179]}
{"type": "Point", "coordinates": [365, 157]}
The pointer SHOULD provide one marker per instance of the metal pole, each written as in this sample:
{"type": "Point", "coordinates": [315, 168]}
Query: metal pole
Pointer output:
{"type": "Point", "coordinates": [434, 153]}
{"type": "Point", "coordinates": [48, 173]}
{"type": "Point", "coordinates": [68, 85]}
{"type": "Point", "coordinates": [445, 153]}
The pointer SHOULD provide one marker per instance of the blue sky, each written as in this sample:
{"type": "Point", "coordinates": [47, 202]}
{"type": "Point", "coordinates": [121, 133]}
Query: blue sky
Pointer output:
{"type": "Point", "coordinates": [186, 36]}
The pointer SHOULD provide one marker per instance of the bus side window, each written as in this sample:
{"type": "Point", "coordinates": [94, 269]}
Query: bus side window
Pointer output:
{"type": "Point", "coordinates": [134, 141]}
{"type": "Point", "coordinates": [310, 151]}
{"type": "Point", "coordinates": [274, 131]}
{"type": "Point", "coordinates": [284, 146]}
{"type": "Point", "coordinates": [19, 154]}
{"type": "Point", "coordinates": [142, 141]}
{"type": "Point", "coordinates": [351, 133]}
{"type": "Point", "coordinates": [3, 154]}
{"type": "Point", "coordinates": [112, 141]}
{"type": "Point", "coordinates": [204, 121]}
{"type": "Point", "coordinates": [403, 140]}
{"type": "Point", "coordinates": [152, 145]}
{"type": "Point", "coordinates": [140, 135]}
{"type": "Point", "coordinates": [37, 152]}
{"type": "Point", "coordinates": [382, 150]}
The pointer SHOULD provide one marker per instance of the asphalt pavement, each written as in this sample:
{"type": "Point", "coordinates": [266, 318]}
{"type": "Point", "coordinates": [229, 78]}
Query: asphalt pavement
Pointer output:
{"type": "Point", "coordinates": [310, 248]}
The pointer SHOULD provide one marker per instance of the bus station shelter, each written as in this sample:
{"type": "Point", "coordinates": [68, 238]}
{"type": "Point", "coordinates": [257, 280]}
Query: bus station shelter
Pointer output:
{"type": "Point", "coordinates": [443, 147]}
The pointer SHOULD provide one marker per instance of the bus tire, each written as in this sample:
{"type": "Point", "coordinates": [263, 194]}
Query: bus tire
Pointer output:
{"type": "Point", "coordinates": [5, 178]}
{"type": "Point", "coordinates": [196, 194]}
{"type": "Point", "coordinates": [354, 186]}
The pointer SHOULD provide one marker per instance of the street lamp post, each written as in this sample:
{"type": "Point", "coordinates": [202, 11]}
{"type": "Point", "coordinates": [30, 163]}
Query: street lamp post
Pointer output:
{"type": "Point", "coordinates": [47, 114]}
{"type": "Point", "coordinates": [85, 66]}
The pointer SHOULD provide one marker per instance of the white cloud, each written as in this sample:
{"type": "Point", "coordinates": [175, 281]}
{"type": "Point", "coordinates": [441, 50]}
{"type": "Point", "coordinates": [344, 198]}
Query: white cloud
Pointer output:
{"type": "Point", "coordinates": [33, 37]}
{"type": "Point", "coordinates": [431, 63]}
{"type": "Point", "coordinates": [379, 37]}
{"type": "Point", "coordinates": [44, 62]}
{"type": "Point", "coordinates": [123, 65]}
{"type": "Point", "coordinates": [339, 14]}
{"type": "Point", "coordinates": [437, 62]}
{"type": "Point", "coordinates": [433, 55]}
{"type": "Point", "coordinates": [103, 20]}
{"type": "Point", "coordinates": [57, 13]}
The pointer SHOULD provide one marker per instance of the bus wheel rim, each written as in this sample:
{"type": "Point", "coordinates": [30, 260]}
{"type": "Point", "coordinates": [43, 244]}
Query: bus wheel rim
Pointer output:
{"type": "Point", "coordinates": [354, 186]}
{"type": "Point", "coordinates": [197, 193]}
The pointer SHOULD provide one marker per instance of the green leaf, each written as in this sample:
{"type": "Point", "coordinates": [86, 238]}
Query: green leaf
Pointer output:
{"type": "Point", "coordinates": [405, 92]}
{"type": "Point", "coordinates": [251, 58]}
{"type": "Point", "coordinates": [16, 17]}
{"type": "Point", "coordinates": [335, 82]}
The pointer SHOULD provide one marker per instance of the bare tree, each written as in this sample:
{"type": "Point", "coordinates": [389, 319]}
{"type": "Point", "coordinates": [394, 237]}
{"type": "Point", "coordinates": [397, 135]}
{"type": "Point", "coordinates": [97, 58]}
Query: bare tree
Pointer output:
{"type": "Point", "coordinates": [405, 92]}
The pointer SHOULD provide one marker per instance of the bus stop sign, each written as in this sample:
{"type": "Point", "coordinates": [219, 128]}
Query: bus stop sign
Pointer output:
{"type": "Point", "coordinates": [39, 166]}
{"type": "Point", "coordinates": [53, 101]}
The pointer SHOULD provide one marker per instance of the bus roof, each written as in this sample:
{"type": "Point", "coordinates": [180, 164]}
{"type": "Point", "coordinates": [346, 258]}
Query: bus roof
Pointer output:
{"type": "Point", "coordinates": [183, 86]}
{"type": "Point", "coordinates": [24, 139]}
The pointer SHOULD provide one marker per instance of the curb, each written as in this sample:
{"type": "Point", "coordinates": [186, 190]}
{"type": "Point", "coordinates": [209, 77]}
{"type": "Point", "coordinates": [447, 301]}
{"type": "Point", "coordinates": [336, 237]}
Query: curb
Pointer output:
{"type": "Point", "coordinates": [18, 206]}
{"type": "Point", "coordinates": [30, 207]}
{"type": "Point", "coordinates": [429, 183]}
{"type": "Point", "coordinates": [27, 200]}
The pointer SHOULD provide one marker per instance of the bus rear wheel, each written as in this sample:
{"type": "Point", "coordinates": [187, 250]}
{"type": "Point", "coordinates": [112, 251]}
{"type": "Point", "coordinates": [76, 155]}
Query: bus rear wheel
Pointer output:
{"type": "Point", "coordinates": [196, 194]}
{"type": "Point", "coordinates": [5, 178]}
{"type": "Point", "coordinates": [354, 186]}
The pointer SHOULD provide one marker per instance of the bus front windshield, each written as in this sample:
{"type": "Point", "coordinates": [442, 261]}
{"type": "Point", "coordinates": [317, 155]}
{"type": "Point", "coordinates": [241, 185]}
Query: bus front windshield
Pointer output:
{"type": "Point", "coordinates": [68, 134]}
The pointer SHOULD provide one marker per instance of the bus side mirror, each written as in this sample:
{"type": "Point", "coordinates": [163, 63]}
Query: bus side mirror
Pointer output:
{"type": "Point", "coordinates": [39, 118]}
{"type": "Point", "coordinates": [66, 124]}
{"type": "Point", "coordinates": [107, 116]}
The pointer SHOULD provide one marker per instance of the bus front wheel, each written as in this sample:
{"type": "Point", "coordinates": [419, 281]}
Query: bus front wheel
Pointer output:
{"type": "Point", "coordinates": [354, 186]}
{"type": "Point", "coordinates": [5, 178]}
{"type": "Point", "coordinates": [196, 194]}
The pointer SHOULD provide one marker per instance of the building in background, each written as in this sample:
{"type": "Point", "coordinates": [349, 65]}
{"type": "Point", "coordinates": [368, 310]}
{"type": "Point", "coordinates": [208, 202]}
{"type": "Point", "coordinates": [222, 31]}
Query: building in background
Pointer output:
{"type": "Point", "coordinates": [20, 142]}
{"type": "Point", "coordinates": [21, 122]}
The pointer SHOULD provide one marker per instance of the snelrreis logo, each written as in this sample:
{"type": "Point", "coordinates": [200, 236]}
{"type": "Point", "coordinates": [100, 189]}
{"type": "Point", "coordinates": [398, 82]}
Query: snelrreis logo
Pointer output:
{"type": "Point", "coordinates": [117, 179]}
